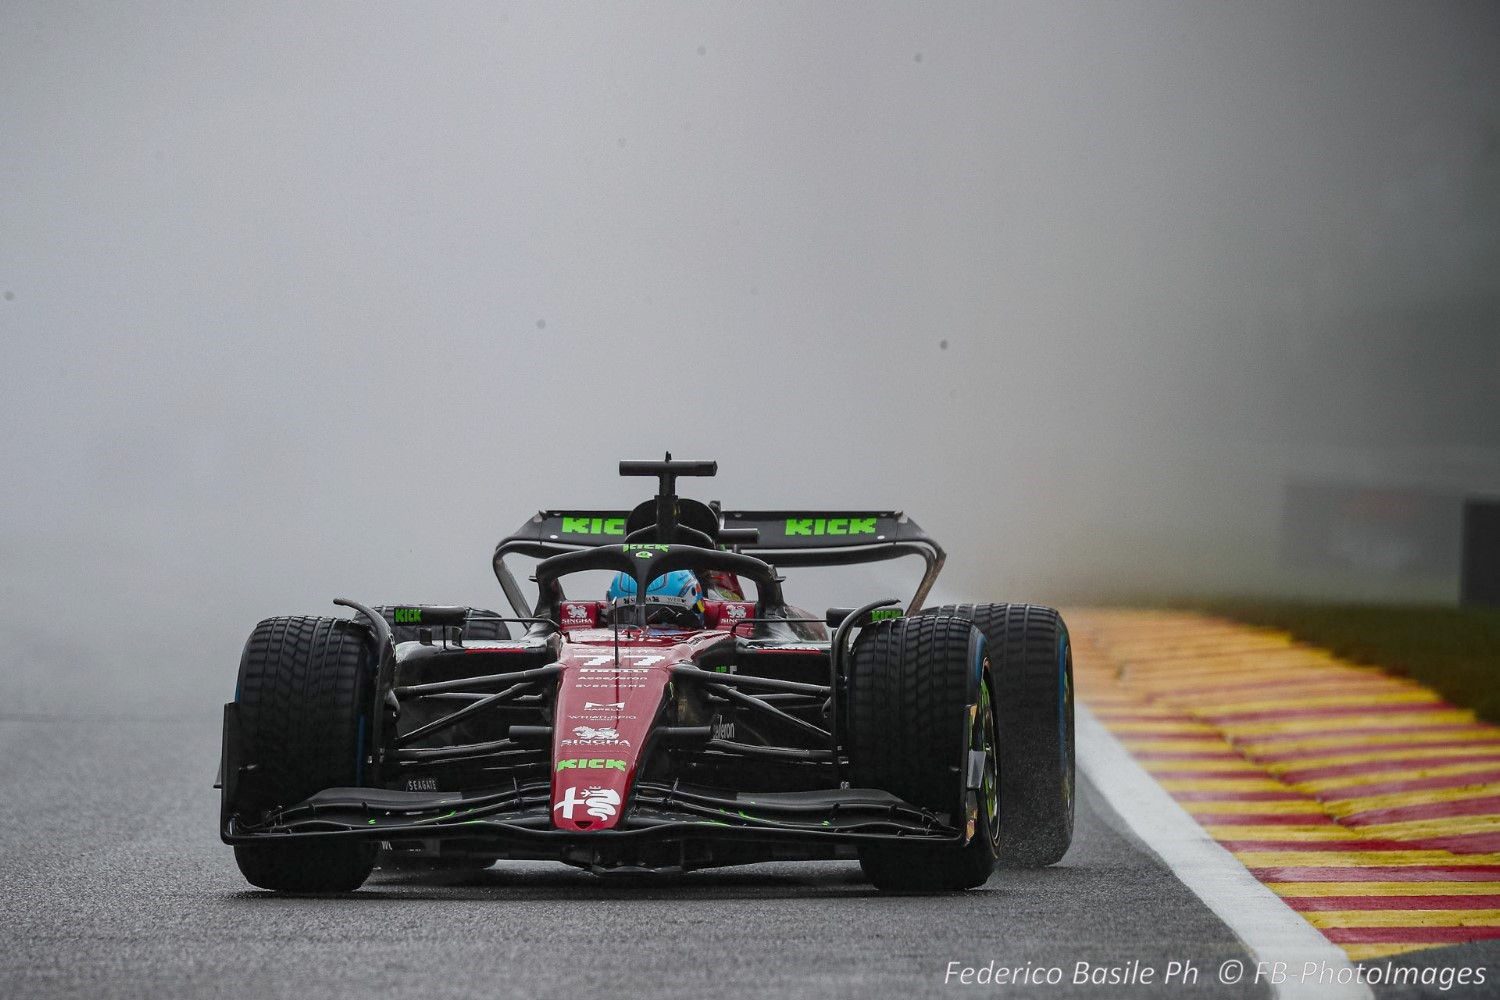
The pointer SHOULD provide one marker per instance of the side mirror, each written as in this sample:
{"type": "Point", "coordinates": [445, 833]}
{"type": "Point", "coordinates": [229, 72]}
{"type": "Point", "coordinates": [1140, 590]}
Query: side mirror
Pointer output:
{"type": "Point", "coordinates": [837, 616]}
{"type": "Point", "coordinates": [739, 536]}
{"type": "Point", "coordinates": [429, 615]}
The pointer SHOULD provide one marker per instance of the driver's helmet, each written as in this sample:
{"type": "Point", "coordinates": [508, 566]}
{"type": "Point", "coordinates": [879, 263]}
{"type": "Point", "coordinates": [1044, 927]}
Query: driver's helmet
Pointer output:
{"type": "Point", "coordinates": [673, 599]}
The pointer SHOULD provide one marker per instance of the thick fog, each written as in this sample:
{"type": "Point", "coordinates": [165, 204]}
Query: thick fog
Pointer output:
{"type": "Point", "coordinates": [302, 301]}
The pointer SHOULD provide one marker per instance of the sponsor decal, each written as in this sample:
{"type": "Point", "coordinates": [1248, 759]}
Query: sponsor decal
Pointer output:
{"type": "Point", "coordinates": [737, 612]}
{"type": "Point", "coordinates": [619, 685]}
{"type": "Point", "coordinates": [590, 763]}
{"type": "Point", "coordinates": [723, 730]}
{"type": "Point", "coordinates": [593, 525]}
{"type": "Point", "coordinates": [407, 616]}
{"type": "Point", "coordinates": [588, 736]}
{"type": "Point", "coordinates": [601, 803]}
{"type": "Point", "coordinates": [884, 614]}
{"type": "Point", "coordinates": [421, 784]}
{"type": "Point", "coordinates": [578, 613]}
{"type": "Point", "coordinates": [589, 706]}
{"type": "Point", "coordinates": [641, 659]}
{"type": "Point", "coordinates": [615, 670]}
{"type": "Point", "coordinates": [830, 526]}
{"type": "Point", "coordinates": [649, 550]}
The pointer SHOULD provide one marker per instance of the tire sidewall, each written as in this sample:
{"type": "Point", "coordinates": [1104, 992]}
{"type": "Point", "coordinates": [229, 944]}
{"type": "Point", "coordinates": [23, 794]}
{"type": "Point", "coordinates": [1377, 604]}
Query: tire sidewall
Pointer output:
{"type": "Point", "coordinates": [986, 832]}
{"type": "Point", "coordinates": [1068, 755]}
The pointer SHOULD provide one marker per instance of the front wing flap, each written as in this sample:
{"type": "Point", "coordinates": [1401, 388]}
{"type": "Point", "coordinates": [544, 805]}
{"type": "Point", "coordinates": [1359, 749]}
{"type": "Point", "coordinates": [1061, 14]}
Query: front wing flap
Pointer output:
{"type": "Point", "coordinates": [659, 812]}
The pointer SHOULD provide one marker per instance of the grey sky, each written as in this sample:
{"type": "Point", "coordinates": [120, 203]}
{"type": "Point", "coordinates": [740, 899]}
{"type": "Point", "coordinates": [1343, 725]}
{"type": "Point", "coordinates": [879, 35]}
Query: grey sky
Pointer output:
{"type": "Point", "coordinates": [314, 300]}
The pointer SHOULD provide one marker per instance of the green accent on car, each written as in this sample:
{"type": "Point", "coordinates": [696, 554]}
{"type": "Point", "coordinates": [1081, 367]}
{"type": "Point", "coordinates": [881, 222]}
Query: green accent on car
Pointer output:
{"type": "Point", "coordinates": [989, 787]}
{"type": "Point", "coordinates": [407, 616]}
{"type": "Point", "coordinates": [811, 526]}
{"type": "Point", "coordinates": [593, 525]}
{"type": "Point", "coordinates": [884, 614]}
{"type": "Point", "coordinates": [438, 819]}
{"type": "Point", "coordinates": [594, 763]}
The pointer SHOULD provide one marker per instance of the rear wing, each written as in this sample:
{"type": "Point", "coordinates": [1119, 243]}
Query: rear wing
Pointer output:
{"type": "Point", "coordinates": [787, 538]}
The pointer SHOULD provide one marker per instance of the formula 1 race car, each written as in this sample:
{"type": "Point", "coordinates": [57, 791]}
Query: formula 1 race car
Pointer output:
{"type": "Point", "coordinates": [658, 733]}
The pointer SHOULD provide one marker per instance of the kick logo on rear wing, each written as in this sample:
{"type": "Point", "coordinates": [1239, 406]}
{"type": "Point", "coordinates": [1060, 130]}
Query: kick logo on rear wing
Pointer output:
{"type": "Point", "coordinates": [784, 538]}
{"type": "Point", "coordinates": [777, 528]}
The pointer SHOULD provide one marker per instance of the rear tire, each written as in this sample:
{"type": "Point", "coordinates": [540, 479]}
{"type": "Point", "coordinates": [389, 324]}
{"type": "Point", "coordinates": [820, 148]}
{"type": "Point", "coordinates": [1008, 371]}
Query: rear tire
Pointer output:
{"type": "Point", "coordinates": [306, 688]}
{"type": "Point", "coordinates": [1033, 664]}
{"type": "Point", "coordinates": [912, 682]}
{"type": "Point", "coordinates": [480, 629]}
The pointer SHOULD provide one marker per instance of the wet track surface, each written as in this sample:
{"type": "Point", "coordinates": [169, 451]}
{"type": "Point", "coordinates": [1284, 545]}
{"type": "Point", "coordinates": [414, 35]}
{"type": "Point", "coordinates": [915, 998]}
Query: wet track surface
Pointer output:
{"type": "Point", "coordinates": [114, 884]}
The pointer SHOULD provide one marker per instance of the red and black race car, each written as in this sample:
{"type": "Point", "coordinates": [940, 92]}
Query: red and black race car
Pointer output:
{"type": "Point", "coordinates": [927, 743]}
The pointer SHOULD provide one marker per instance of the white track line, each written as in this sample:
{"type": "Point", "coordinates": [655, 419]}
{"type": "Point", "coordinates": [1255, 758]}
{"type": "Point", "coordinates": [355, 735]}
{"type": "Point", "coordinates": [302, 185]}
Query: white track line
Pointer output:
{"type": "Point", "coordinates": [1271, 930]}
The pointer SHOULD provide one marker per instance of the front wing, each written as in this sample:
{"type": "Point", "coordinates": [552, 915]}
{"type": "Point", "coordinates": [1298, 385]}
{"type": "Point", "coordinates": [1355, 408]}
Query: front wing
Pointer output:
{"type": "Point", "coordinates": [696, 827]}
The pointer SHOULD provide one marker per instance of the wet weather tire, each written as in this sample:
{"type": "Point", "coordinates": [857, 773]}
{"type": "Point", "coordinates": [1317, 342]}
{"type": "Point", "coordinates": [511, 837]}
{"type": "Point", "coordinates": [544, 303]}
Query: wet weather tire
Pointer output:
{"type": "Point", "coordinates": [303, 867]}
{"type": "Point", "coordinates": [1033, 666]}
{"type": "Point", "coordinates": [306, 688]}
{"type": "Point", "coordinates": [910, 732]}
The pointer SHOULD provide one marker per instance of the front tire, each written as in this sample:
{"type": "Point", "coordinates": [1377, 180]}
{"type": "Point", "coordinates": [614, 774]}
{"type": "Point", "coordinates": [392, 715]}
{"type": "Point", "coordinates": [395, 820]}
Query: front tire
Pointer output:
{"type": "Point", "coordinates": [1033, 659]}
{"type": "Point", "coordinates": [306, 689]}
{"type": "Point", "coordinates": [921, 701]}
{"type": "Point", "coordinates": [304, 867]}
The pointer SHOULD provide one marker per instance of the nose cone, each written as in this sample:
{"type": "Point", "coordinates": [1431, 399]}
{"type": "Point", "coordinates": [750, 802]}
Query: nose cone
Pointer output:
{"type": "Point", "coordinates": [605, 709]}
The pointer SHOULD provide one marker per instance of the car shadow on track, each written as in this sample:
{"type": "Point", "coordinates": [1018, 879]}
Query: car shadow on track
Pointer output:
{"type": "Point", "coordinates": [541, 881]}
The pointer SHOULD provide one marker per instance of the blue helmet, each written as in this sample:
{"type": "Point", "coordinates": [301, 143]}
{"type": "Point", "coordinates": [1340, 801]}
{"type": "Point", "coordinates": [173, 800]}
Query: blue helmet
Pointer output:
{"type": "Point", "coordinates": [674, 598]}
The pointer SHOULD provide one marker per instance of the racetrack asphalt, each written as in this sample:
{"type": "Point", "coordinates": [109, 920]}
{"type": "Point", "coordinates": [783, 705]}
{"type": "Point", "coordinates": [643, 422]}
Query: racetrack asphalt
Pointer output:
{"type": "Point", "coordinates": [113, 884]}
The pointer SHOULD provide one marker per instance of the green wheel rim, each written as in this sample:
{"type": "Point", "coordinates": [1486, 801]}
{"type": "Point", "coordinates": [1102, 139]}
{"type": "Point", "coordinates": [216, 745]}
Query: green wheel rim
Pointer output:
{"type": "Point", "coordinates": [983, 738]}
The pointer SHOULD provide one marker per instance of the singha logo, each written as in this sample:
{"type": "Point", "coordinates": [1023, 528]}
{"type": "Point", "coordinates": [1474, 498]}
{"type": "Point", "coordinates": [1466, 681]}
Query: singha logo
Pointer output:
{"type": "Point", "coordinates": [735, 611]}
{"type": "Point", "coordinates": [587, 733]}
